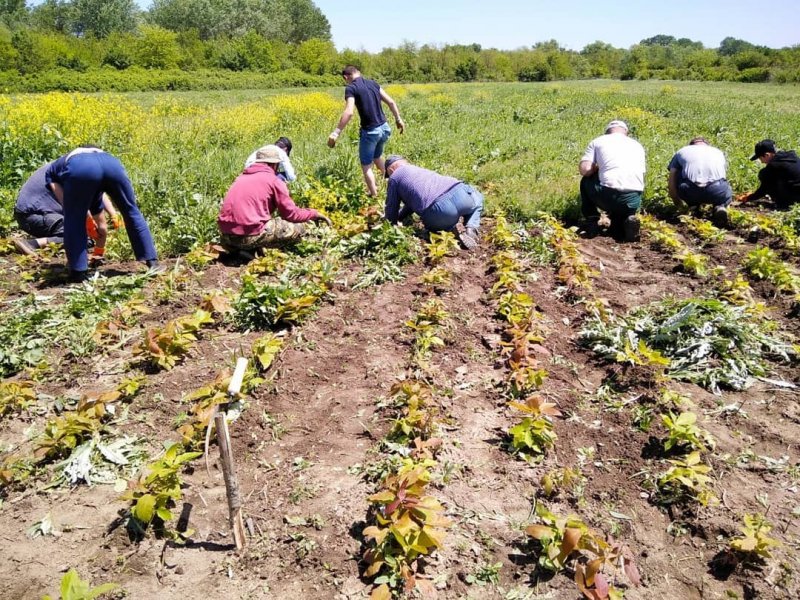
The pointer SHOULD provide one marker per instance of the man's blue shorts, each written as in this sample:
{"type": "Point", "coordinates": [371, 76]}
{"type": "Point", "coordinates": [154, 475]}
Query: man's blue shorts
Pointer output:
{"type": "Point", "coordinates": [371, 142]}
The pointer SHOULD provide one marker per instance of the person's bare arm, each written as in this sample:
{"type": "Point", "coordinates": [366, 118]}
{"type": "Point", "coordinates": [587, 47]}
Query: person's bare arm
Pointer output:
{"type": "Point", "coordinates": [101, 223]}
{"type": "Point", "coordinates": [587, 167]}
{"type": "Point", "coordinates": [349, 109]}
{"type": "Point", "coordinates": [116, 220]}
{"type": "Point", "coordinates": [58, 192]}
{"type": "Point", "coordinates": [401, 126]}
{"type": "Point", "coordinates": [672, 185]}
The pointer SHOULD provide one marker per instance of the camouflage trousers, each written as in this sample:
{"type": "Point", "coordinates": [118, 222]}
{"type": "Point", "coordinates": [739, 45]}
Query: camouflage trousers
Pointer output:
{"type": "Point", "coordinates": [277, 232]}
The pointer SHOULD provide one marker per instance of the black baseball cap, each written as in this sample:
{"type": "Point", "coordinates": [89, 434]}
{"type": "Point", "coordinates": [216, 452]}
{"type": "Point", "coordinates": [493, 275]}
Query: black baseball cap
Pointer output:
{"type": "Point", "coordinates": [762, 148]}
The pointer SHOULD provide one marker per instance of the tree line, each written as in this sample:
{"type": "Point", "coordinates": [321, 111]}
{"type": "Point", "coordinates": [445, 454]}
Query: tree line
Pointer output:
{"type": "Point", "coordinates": [66, 43]}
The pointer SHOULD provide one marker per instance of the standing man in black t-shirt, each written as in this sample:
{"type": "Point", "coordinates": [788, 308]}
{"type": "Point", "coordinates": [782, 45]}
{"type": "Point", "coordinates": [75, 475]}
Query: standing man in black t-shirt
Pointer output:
{"type": "Point", "coordinates": [366, 96]}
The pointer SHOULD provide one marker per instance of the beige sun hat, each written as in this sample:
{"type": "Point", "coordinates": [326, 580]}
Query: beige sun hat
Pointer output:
{"type": "Point", "coordinates": [268, 154]}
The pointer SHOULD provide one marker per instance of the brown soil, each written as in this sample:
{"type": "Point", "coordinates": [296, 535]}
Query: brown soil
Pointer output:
{"type": "Point", "coordinates": [304, 434]}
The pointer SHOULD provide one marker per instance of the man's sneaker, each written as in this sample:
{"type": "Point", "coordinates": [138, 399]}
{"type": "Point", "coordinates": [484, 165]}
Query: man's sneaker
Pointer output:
{"type": "Point", "coordinates": [155, 266]}
{"type": "Point", "coordinates": [78, 276]}
{"type": "Point", "coordinates": [720, 217]}
{"type": "Point", "coordinates": [24, 246]}
{"type": "Point", "coordinates": [590, 228]}
{"type": "Point", "coordinates": [469, 238]}
{"type": "Point", "coordinates": [631, 228]}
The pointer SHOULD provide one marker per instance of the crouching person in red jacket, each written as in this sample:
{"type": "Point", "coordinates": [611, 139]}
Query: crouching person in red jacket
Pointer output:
{"type": "Point", "coordinates": [258, 211]}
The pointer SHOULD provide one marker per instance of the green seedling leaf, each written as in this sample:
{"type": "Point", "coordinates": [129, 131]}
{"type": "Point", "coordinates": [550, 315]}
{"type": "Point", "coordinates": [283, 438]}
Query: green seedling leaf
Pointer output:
{"type": "Point", "coordinates": [144, 510]}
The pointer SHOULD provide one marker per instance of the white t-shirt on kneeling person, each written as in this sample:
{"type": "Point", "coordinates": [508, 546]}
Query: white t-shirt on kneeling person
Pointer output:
{"type": "Point", "coordinates": [620, 161]}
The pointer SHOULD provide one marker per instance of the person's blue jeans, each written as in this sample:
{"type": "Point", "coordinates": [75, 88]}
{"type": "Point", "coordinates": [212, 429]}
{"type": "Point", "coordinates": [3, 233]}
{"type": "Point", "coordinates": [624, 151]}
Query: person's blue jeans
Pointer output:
{"type": "Point", "coordinates": [462, 201]}
{"type": "Point", "coordinates": [86, 176]}
{"type": "Point", "coordinates": [718, 193]}
{"type": "Point", "coordinates": [371, 143]}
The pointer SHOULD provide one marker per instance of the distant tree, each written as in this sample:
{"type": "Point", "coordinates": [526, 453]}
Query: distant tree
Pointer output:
{"type": "Point", "coordinates": [306, 20]}
{"type": "Point", "coordinates": [467, 69]}
{"type": "Point", "coordinates": [431, 64]}
{"type": "Point", "coordinates": [13, 12]}
{"type": "Point", "coordinates": [749, 59]}
{"type": "Point", "coordinates": [559, 66]}
{"type": "Point", "coordinates": [8, 56]}
{"type": "Point", "coordinates": [548, 46]}
{"type": "Point", "coordinates": [360, 58]}
{"type": "Point", "coordinates": [100, 18]}
{"type": "Point", "coordinates": [702, 59]}
{"type": "Point", "coordinates": [193, 50]}
{"type": "Point", "coordinates": [187, 15]}
{"type": "Point", "coordinates": [535, 69]}
{"type": "Point", "coordinates": [636, 64]}
{"type": "Point", "coordinates": [157, 48]}
{"type": "Point", "coordinates": [291, 21]}
{"type": "Point", "coordinates": [497, 65]}
{"type": "Point", "coordinates": [31, 56]}
{"type": "Point", "coordinates": [730, 46]}
{"type": "Point", "coordinates": [401, 63]}
{"type": "Point", "coordinates": [119, 57]}
{"type": "Point", "coordinates": [687, 43]}
{"type": "Point", "coordinates": [316, 57]}
{"type": "Point", "coordinates": [604, 59]}
{"type": "Point", "coordinates": [658, 40]}
{"type": "Point", "coordinates": [52, 15]}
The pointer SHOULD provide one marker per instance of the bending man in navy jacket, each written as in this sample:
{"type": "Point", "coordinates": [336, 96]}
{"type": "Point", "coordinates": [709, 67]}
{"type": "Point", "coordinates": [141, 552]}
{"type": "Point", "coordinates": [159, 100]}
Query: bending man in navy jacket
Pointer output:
{"type": "Point", "coordinates": [77, 179]}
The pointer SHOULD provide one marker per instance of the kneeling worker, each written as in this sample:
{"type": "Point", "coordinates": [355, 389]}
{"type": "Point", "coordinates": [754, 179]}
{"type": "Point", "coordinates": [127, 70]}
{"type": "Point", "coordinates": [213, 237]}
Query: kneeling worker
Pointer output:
{"type": "Point", "coordinates": [39, 214]}
{"type": "Point", "coordinates": [247, 218]}
{"type": "Point", "coordinates": [780, 178]}
{"type": "Point", "coordinates": [612, 170]}
{"type": "Point", "coordinates": [440, 201]}
{"type": "Point", "coordinates": [697, 176]}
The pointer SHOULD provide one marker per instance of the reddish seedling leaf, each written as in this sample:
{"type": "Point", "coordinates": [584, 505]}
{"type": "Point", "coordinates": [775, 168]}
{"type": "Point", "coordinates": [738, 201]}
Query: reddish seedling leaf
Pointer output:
{"type": "Point", "coordinates": [571, 538]}
{"type": "Point", "coordinates": [601, 586]}
{"type": "Point", "coordinates": [631, 570]}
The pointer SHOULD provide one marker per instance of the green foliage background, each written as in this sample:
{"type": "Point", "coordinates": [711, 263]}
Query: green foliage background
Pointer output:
{"type": "Point", "coordinates": [90, 45]}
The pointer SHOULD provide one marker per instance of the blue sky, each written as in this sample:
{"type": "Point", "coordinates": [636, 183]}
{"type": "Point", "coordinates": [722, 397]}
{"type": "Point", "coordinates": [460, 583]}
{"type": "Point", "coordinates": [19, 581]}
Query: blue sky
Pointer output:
{"type": "Point", "coordinates": [573, 23]}
{"type": "Point", "coordinates": [510, 24]}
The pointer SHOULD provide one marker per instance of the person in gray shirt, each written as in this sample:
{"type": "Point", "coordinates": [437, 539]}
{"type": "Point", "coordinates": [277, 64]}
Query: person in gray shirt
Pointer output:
{"type": "Point", "coordinates": [697, 176]}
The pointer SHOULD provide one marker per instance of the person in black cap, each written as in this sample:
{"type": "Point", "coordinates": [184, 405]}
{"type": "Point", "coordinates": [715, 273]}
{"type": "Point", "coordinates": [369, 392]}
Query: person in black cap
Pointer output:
{"type": "Point", "coordinates": [780, 178]}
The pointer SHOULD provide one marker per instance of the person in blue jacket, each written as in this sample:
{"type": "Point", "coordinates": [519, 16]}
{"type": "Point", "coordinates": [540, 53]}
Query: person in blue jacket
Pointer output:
{"type": "Point", "coordinates": [76, 179]}
{"type": "Point", "coordinates": [39, 214]}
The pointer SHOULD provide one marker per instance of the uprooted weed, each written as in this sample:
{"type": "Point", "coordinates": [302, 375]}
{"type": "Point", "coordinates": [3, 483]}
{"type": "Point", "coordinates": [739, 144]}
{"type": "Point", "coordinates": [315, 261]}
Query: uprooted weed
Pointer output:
{"type": "Point", "coordinates": [707, 341]}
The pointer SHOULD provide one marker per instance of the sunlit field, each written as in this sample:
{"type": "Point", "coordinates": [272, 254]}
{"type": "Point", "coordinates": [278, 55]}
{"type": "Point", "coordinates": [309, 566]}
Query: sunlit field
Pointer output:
{"type": "Point", "coordinates": [545, 416]}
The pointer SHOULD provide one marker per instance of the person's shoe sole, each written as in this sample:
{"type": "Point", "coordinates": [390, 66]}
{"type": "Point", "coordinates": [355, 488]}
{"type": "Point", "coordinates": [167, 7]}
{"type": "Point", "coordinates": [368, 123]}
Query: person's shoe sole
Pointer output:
{"type": "Point", "coordinates": [590, 229]}
{"type": "Point", "coordinates": [631, 228]}
{"type": "Point", "coordinates": [23, 247]}
{"type": "Point", "coordinates": [469, 240]}
{"type": "Point", "coordinates": [155, 266]}
{"type": "Point", "coordinates": [720, 218]}
{"type": "Point", "coordinates": [78, 276]}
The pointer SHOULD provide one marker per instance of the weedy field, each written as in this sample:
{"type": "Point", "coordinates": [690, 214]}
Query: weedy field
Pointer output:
{"type": "Point", "coordinates": [547, 417]}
